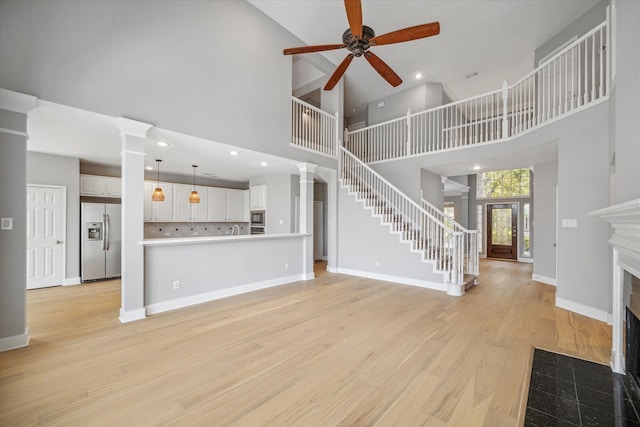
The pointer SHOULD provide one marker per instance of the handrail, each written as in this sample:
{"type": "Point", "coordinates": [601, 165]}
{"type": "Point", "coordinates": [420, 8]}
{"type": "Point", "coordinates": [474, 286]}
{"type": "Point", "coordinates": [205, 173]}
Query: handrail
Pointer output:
{"type": "Point", "coordinates": [574, 77]}
{"type": "Point", "coordinates": [313, 129]}
{"type": "Point", "coordinates": [455, 224]}
{"type": "Point", "coordinates": [452, 250]}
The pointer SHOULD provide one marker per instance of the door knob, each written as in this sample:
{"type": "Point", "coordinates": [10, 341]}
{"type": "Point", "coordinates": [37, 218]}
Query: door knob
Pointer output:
{"type": "Point", "coordinates": [58, 242]}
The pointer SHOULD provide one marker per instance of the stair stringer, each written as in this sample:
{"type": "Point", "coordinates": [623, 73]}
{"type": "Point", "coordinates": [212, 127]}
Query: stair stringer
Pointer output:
{"type": "Point", "coordinates": [430, 276]}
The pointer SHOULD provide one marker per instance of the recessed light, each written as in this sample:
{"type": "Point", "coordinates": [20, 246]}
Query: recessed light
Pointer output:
{"type": "Point", "coordinates": [263, 164]}
{"type": "Point", "coordinates": [476, 168]}
{"type": "Point", "coordinates": [418, 75]}
{"type": "Point", "coordinates": [163, 144]}
{"type": "Point", "coordinates": [149, 168]}
{"type": "Point", "coordinates": [233, 153]}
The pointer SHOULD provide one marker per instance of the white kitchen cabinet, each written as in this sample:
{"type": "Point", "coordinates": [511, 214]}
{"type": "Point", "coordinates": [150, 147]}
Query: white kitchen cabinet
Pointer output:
{"type": "Point", "coordinates": [185, 211]}
{"type": "Point", "coordinates": [246, 206]}
{"type": "Point", "coordinates": [235, 205]}
{"type": "Point", "coordinates": [226, 205]}
{"type": "Point", "coordinates": [100, 186]}
{"type": "Point", "coordinates": [258, 197]}
{"type": "Point", "coordinates": [158, 211]}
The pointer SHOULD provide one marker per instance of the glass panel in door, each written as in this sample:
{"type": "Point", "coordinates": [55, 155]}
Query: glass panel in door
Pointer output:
{"type": "Point", "coordinates": [502, 229]}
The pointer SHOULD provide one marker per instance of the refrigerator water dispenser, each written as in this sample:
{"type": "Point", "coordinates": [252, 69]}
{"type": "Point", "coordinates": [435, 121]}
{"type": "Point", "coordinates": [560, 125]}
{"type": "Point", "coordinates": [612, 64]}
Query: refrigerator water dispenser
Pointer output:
{"type": "Point", "coordinates": [94, 231]}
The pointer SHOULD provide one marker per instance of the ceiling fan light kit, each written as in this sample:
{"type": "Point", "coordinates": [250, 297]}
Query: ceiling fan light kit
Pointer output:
{"type": "Point", "coordinates": [358, 38]}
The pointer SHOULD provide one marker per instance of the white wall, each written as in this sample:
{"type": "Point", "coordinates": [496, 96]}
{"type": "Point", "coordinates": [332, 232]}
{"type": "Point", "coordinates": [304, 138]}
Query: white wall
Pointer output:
{"type": "Point", "coordinates": [64, 171]}
{"type": "Point", "coordinates": [417, 98]}
{"type": "Point", "coordinates": [432, 188]}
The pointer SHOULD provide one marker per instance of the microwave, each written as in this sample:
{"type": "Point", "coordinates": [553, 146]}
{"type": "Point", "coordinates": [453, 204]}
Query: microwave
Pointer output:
{"type": "Point", "coordinates": [257, 218]}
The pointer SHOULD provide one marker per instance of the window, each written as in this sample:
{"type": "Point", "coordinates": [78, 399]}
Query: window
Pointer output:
{"type": "Point", "coordinates": [506, 183]}
{"type": "Point", "coordinates": [479, 226]}
{"type": "Point", "coordinates": [449, 212]}
{"type": "Point", "coordinates": [526, 249]}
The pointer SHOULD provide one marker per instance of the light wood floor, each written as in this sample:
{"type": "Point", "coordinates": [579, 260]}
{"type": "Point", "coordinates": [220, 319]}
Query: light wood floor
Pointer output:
{"type": "Point", "coordinates": [338, 350]}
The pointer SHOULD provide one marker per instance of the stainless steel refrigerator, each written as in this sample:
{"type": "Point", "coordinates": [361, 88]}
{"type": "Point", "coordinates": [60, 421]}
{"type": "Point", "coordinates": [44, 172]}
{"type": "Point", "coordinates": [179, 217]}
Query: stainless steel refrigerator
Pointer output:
{"type": "Point", "coordinates": [101, 239]}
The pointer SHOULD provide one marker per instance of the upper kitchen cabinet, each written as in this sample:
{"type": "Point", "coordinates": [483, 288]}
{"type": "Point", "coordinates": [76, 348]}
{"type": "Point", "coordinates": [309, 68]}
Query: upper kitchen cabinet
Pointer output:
{"type": "Point", "coordinates": [186, 211]}
{"type": "Point", "coordinates": [258, 197]}
{"type": "Point", "coordinates": [158, 211]}
{"type": "Point", "coordinates": [100, 186]}
{"type": "Point", "coordinates": [226, 205]}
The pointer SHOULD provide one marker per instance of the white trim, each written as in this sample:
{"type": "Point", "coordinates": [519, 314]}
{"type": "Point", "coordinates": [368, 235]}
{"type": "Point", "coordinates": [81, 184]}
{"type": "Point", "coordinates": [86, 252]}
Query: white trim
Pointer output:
{"type": "Point", "coordinates": [16, 101]}
{"type": "Point", "coordinates": [584, 310]}
{"type": "Point", "coordinates": [396, 279]}
{"type": "Point", "coordinates": [14, 132]}
{"type": "Point", "coordinates": [332, 269]}
{"type": "Point", "coordinates": [525, 259]}
{"type": "Point", "coordinates": [132, 315]}
{"type": "Point", "coordinates": [221, 293]}
{"type": "Point", "coordinates": [15, 341]}
{"type": "Point", "coordinates": [543, 279]}
{"type": "Point", "coordinates": [137, 153]}
{"type": "Point", "coordinates": [133, 127]}
{"type": "Point", "coordinates": [72, 281]}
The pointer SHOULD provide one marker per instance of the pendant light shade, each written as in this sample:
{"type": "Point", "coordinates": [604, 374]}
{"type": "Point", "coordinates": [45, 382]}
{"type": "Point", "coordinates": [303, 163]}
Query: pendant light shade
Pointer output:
{"type": "Point", "coordinates": [158, 194]}
{"type": "Point", "coordinates": [194, 197]}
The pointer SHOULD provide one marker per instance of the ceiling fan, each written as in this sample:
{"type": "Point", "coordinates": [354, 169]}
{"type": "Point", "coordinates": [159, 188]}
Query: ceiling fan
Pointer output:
{"type": "Point", "coordinates": [359, 38]}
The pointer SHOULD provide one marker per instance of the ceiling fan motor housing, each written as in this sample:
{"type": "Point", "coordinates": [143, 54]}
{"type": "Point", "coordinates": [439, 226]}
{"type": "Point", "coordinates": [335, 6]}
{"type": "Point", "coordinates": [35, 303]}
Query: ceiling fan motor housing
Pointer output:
{"type": "Point", "coordinates": [358, 46]}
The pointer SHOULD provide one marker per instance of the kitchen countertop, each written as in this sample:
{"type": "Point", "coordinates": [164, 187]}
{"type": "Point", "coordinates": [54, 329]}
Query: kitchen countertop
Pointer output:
{"type": "Point", "coordinates": [217, 239]}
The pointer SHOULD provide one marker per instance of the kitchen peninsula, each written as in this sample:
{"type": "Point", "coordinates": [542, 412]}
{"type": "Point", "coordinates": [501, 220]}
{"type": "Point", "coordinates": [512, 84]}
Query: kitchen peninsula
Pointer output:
{"type": "Point", "coordinates": [183, 271]}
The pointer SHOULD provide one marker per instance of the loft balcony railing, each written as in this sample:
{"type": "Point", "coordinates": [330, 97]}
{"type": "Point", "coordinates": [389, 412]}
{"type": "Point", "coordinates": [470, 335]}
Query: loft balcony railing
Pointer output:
{"type": "Point", "coordinates": [313, 129]}
{"type": "Point", "coordinates": [575, 78]}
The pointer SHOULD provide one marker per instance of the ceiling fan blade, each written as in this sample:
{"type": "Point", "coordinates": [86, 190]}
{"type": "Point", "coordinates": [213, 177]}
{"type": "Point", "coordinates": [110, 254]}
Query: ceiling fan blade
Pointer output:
{"type": "Point", "coordinates": [407, 34]}
{"type": "Point", "coordinates": [309, 49]}
{"type": "Point", "coordinates": [354, 16]}
{"type": "Point", "coordinates": [383, 69]}
{"type": "Point", "coordinates": [337, 74]}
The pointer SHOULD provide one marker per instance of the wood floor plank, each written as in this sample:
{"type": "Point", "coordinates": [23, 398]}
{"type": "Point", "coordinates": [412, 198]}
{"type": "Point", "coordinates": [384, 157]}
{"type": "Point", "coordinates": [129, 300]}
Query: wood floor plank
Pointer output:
{"type": "Point", "coordinates": [337, 350]}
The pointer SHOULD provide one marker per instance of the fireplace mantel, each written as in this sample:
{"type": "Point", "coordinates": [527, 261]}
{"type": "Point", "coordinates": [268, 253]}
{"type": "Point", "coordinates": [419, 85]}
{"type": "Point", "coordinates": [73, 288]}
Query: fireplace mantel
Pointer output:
{"type": "Point", "coordinates": [625, 240]}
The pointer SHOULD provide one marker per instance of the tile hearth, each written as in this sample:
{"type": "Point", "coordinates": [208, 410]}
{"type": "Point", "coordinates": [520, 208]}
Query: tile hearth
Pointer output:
{"type": "Point", "coordinates": [566, 391]}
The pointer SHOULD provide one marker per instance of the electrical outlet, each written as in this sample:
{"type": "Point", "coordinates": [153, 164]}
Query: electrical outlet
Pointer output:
{"type": "Point", "coordinates": [176, 284]}
{"type": "Point", "coordinates": [286, 266]}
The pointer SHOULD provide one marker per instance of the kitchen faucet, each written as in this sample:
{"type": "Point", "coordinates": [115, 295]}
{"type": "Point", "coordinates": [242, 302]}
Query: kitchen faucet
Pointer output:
{"type": "Point", "coordinates": [234, 228]}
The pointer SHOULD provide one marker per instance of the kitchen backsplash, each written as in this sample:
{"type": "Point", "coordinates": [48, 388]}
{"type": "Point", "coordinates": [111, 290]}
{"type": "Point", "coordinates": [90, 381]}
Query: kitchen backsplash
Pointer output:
{"type": "Point", "coordinates": [153, 230]}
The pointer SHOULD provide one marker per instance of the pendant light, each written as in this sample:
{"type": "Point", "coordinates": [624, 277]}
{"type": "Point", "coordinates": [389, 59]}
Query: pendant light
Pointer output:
{"type": "Point", "coordinates": [194, 197]}
{"type": "Point", "coordinates": [158, 194]}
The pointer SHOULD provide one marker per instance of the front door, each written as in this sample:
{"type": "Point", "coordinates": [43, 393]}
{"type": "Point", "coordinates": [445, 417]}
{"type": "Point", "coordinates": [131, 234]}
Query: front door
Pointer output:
{"type": "Point", "coordinates": [45, 243]}
{"type": "Point", "coordinates": [502, 231]}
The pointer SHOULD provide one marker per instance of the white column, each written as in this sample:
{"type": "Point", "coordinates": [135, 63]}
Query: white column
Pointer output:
{"type": "Point", "coordinates": [133, 135]}
{"type": "Point", "coordinates": [617, 334]}
{"type": "Point", "coordinates": [306, 217]}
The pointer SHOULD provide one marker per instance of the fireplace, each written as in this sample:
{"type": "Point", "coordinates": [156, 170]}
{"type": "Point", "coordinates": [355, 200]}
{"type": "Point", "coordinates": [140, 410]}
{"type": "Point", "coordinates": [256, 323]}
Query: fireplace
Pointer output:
{"type": "Point", "coordinates": [632, 327]}
{"type": "Point", "coordinates": [625, 286]}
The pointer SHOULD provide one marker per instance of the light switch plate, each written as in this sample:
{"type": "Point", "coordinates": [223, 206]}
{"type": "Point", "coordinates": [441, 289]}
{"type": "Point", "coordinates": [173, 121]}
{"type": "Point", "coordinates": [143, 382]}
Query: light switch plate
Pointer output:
{"type": "Point", "coordinates": [6, 224]}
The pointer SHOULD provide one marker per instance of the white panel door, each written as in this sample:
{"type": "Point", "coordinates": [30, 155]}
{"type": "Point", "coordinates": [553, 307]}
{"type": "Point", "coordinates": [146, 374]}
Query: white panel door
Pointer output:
{"type": "Point", "coordinates": [45, 236]}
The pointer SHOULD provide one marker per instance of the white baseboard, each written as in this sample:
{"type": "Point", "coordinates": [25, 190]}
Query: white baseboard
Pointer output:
{"type": "Point", "coordinates": [16, 341]}
{"type": "Point", "coordinates": [71, 281]}
{"type": "Point", "coordinates": [332, 269]}
{"type": "Point", "coordinates": [221, 293]}
{"type": "Point", "coordinates": [584, 310]}
{"type": "Point", "coordinates": [544, 279]}
{"type": "Point", "coordinates": [132, 315]}
{"type": "Point", "coordinates": [529, 260]}
{"type": "Point", "coordinates": [397, 279]}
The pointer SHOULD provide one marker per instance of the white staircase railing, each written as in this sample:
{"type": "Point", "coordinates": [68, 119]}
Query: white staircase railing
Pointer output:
{"type": "Point", "coordinates": [427, 234]}
{"type": "Point", "coordinates": [313, 129]}
{"type": "Point", "coordinates": [574, 78]}
{"type": "Point", "coordinates": [470, 240]}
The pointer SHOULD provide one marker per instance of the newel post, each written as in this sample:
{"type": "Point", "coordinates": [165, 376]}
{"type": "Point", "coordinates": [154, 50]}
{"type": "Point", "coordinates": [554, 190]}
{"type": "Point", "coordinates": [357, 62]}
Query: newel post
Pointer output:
{"type": "Point", "coordinates": [409, 132]}
{"type": "Point", "coordinates": [505, 117]}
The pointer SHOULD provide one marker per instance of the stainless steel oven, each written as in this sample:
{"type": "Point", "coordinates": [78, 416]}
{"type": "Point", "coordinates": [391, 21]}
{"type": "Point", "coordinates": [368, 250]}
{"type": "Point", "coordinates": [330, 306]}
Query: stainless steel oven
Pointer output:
{"type": "Point", "coordinates": [257, 230]}
{"type": "Point", "coordinates": [257, 218]}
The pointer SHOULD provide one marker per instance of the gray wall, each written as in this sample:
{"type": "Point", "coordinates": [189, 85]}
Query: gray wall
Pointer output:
{"type": "Point", "coordinates": [64, 171]}
{"type": "Point", "coordinates": [363, 242]}
{"type": "Point", "coordinates": [583, 186]}
{"type": "Point", "coordinates": [406, 180]}
{"type": "Point", "coordinates": [544, 225]}
{"type": "Point", "coordinates": [627, 109]}
{"type": "Point", "coordinates": [13, 243]}
{"type": "Point", "coordinates": [281, 193]}
{"type": "Point", "coordinates": [578, 28]}
{"type": "Point", "coordinates": [432, 188]}
{"type": "Point", "coordinates": [127, 63]}
{"type": "Point", "coordinates": [417, 98]}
